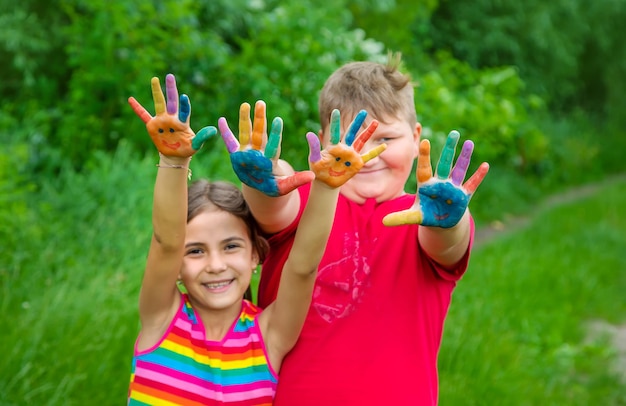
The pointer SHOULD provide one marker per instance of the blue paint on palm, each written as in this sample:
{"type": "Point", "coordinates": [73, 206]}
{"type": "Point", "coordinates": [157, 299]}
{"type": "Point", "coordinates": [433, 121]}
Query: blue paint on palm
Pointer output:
{"type": "Point", "coordinates": [255, 170]}
{"type": "Point", "coordinates": [442, 204]}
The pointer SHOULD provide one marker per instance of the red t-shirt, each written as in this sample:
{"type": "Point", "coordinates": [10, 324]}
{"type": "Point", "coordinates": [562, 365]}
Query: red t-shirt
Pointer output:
{"type": "Point", "coordinates": [374, 328]}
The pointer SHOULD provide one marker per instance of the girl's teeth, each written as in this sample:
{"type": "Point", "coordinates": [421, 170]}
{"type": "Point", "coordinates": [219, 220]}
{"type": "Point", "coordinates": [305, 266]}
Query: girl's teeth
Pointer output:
{"type": "Point", "coordinates": [216, 285]}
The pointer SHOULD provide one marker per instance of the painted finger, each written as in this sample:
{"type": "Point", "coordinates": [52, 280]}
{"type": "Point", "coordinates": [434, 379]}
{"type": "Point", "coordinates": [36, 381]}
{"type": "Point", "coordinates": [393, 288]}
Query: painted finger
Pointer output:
{"type": "Point", "coordinates": [157, 96]}
{"type": "Point", "coordinates": [139, 110]}
{"type": "Point", "coordinates": [294, 181]}
{"type": "Point", "coordinates": [373, 153]}
{"type": "Point", "coordinates": [232, 145]}
{"type": "Point", "coordinates": [475, 180]}
{"type": "Point", "coordinates": [335, 127]}
{"type": "Point", "coordinates": [462, 163]}
{"type": "Point", "coordinates": [185, 109]}
{"type": "Point", "coordinates": [447, 155]}
{"type": "Point", "coordinates": [272, 149]}
{"type": "Point", "coordinates": [403, 217]}
{"type": "Point", "coordinates": [355, 126]}
{"type": "Point", "coordinates": [365, 136]}
{"type": "Point", "coordinates": [245, 125]}
{"type": "Point", "coordinates": [314, 147]}
{"type": "Point", "coordinates": [424, 169]}
{"type": "Point", "coordinates": [172, 94]}
{"type": "Point", "coordinates": [259, 129]}
{"type": "Point", "coordinates": [203, 135]}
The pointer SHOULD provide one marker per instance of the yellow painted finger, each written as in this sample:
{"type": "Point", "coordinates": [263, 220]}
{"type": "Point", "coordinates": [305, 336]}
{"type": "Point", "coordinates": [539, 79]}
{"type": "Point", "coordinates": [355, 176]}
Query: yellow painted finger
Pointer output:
{"type": "Point", "coordinates": [245, 125]}
{"type": "Point", "coordinates": [403, 217]}
{"type": "Point", "coordinates": [373, 153]}
{"type": "Point", "coordinates": [157, 96]}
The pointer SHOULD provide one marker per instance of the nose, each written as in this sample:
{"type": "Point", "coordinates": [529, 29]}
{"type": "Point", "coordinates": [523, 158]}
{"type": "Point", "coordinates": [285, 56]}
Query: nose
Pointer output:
{"type": "Point", "coordinates": [216, 264]}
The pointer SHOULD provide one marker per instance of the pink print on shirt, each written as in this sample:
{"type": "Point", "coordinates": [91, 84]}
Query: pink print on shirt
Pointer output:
{"type": "Point", "coordinates": [341, 284]}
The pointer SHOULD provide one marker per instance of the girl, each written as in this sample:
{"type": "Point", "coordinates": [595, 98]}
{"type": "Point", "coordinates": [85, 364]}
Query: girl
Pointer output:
{"type": "Point", "coordinates": [204, 344]}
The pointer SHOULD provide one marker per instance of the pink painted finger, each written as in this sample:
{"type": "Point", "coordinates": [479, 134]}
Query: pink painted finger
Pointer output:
{"type": "Point", "coordinates": [365, 136]}
{"type": "Point", "coordinates": [424, 168]}
{"type": "Point", "coordinates": [373, 153]}
{"type": "Point", "coordinates": [139, 110]}
{"type": "Point", "coordinates": [245, 125]}
{"type": "Point", "coordinates": [475, 180]}
{"type": "Point", "coordinates": [314, 147]}
{"type": "Point", "coordinates": [294, 181]}
{"type": "Point", "coordinates": [172, 94]}
{"type": "Point", "coordinates": [462, 163]}
{"type": "Point", "coordinates": [403, 217]}
{"type": "Point", "coordinates": [259, 129]}
{"type": "Point", "coordinates": [232, 145]}
{"type": "Point", "coordinates": [157, 96]}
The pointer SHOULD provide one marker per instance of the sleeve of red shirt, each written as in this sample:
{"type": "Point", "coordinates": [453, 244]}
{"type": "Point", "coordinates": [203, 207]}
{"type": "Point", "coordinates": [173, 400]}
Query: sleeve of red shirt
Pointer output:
{"type": "Point", "coordinates": [280, 246]}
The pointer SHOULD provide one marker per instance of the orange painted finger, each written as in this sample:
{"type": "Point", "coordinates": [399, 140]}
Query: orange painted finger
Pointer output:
{"type": "Point", "coordinates": [476, 179]}
{"type": "Point", "coordinates": [259, 129]}
{"type": "Point", "coordinates": [245, 125]}
{"type": "Point", "coordinates": [157, 96]}
{"type": "Point", "coordinates": [365, 136]}
{"type": "Point", "coordinates": [139, 110]}
{"type": "Point", "coordinates": [424, 169]}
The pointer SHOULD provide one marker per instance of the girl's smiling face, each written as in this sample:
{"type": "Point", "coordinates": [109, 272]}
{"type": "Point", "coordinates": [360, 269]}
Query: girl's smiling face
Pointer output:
{"type": "Point", "coordinates": [219, 260]}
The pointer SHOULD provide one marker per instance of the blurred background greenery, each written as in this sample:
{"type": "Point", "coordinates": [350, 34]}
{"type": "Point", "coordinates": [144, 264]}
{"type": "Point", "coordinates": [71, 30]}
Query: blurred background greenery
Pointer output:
{"type": "Point", "coordinates": [538, 86]}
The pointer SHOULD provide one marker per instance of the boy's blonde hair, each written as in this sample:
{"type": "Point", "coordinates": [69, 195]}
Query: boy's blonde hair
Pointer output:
{"type": "Point", "coordinates": [381, 89]}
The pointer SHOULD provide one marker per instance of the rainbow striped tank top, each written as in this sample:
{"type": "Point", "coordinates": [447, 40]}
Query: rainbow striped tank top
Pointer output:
{"type": "Point", "coordinates": [186, 369]}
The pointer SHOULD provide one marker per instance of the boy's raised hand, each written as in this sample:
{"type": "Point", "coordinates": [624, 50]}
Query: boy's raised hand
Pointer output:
{"type": "Point", "coordinates": [169, 129]}
{"type": "Point", "coordinates": [341, 159]}
{"type": "Point", "coordinates": [441, 200]}
{"type": "Point", "coordinates": [255, 157]}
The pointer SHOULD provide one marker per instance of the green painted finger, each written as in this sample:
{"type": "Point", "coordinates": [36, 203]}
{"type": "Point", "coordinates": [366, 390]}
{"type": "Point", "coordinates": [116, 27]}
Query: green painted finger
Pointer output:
{"type": "Point", "coordinates": [273, 143]}
{"type": "Point", "coordinates": [444, 166]}
{"type": "Point", "coordinates": [335, 127]}
{"type": "Point", "coordinates": [203, 135]}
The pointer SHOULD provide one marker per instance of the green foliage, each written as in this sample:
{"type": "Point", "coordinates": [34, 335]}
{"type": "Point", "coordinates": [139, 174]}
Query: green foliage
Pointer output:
{"type": "Point", "coordinates": [488, 106]}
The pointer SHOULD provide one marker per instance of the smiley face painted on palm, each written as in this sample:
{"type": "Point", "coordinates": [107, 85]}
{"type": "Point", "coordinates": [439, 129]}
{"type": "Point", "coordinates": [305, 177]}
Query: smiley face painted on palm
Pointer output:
{"type": "Point", "coordinates": [169, 134]}
{"type": "Point", "coordinates": [337, 164]}
{"type": "Point", "coordinates": [255, 170]}
{"type": "Point", "coordinates": [443, 204]}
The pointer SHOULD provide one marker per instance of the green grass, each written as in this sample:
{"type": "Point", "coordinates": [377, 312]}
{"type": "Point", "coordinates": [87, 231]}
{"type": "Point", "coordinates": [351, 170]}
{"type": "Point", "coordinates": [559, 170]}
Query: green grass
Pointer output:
{"type": "Point", "coordinates": [515, 334]}
{"type": "Point", "coordinates": [516, 331]}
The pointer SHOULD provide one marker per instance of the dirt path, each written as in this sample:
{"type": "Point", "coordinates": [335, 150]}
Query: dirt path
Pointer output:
{"type": "Point", "coordinates": [597, 330]}
{"type": "Point", "coordinates": [497, 228]}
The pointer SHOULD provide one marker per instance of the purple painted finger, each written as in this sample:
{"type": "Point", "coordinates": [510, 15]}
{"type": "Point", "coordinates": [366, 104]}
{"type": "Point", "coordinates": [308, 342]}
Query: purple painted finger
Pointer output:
{"type": "Point", "coordinates": [172, 94]}
{"type": "Point", "coordinates": [232, 145]}
{"type": "Point", "coordinates": [462, 163]}
{"type": "Point", "coordinates": [314, 147]}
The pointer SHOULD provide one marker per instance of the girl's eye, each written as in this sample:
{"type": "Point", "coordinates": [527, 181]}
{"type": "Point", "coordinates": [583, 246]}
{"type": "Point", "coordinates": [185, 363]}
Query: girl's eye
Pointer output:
{"type": "Point", "coordinates": [231, 247]}
{"type": "Point", "coordinates": [194, 251]}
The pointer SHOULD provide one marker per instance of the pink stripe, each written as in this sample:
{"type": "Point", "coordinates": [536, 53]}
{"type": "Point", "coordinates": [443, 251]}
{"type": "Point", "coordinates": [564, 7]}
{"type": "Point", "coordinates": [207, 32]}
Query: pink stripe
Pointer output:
{"type": "Point", "coordinates": [240, 342]}
{"type": "Point", "coordinates": [170, 379]}
{"type": "Point", "coordinates": [174, 378]}
{"type": "Point", "coordinates": [252, 394]}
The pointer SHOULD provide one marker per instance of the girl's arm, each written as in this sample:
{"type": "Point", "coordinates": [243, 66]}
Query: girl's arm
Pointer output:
{"type": "Point", "coordinates": [281, 322]}
{"type": "Point", "coordinates": [176, 143]}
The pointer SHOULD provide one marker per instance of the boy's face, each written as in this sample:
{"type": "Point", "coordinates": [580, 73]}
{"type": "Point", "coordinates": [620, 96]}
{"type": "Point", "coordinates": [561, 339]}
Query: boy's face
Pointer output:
{"type": "Point", "coordinates": [383, 178]}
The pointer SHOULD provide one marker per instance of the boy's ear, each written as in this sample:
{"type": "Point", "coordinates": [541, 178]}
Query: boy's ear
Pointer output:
{"type": "Point", "coordinates": [417, 134]}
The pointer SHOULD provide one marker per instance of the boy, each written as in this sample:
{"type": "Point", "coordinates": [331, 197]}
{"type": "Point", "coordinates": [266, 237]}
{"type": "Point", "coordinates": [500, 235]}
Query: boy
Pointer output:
{"type": "Point", "coordinates": [374, 327]}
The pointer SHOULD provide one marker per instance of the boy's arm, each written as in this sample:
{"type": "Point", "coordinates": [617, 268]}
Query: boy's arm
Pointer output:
{"type": "Point", "coordinates": [282, 320]}
{"type": "Point", "coordinates": [441, 202]}
{"type": "Point", "coordinates": [176, 143]}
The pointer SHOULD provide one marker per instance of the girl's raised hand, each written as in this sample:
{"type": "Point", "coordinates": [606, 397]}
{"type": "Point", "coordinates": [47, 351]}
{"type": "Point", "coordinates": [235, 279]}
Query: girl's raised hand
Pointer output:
{"type": "Point", "coordinates": [169, 129]}
{"type": "Point", "coordinates": [341, 159]}
{"type": "Point", "coordinates": [441, 200]}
